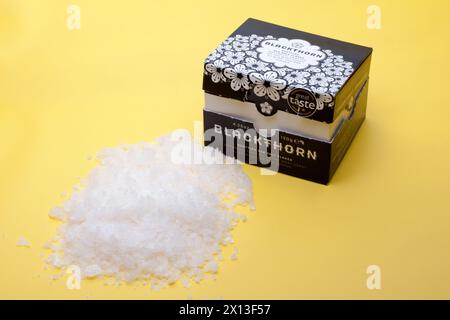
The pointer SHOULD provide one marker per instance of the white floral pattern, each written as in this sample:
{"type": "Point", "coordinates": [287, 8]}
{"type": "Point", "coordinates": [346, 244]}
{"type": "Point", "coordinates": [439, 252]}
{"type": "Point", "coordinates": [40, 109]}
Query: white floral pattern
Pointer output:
{"type": "Point", "coordinates": [233, 57]}
{"type": "Point", "coordinates": [334, 88]}
{"type": "Point", "coordinates": [266, 108]}
{"type": "Point", "coordinates": [314, 69]}
{"type": "Point", "coordinates": [255, 37]}
{"type": "Point", "coordinates": [321, 97]}
{"type": "Point", "coordinates": [236, 61]}
{"type": "Point", "coordinates": [216, 70]}
{"type": "Point", "coordinates": [238, 77]}
{"type": "Point", "coordinates": [348, 72]}
{"type": "Point", "coordinates": [242, 38]}
{"type": "Point", "coordinates": [300, 77]}
{"type": "Point", "coordinates": [241, 46]}
{"type": "Point", "coordinates": [333, 71]}
{"type": "Point", "coordinates": [256, 65]}
{"type": "Point", "coordinates": [213, 56]}
{"type": "Point", "coordinates": [267, 84]}
{"type": "Point", "coordinates": [252, 54]}
{"type": "Point", "coordinates": [320, 79]}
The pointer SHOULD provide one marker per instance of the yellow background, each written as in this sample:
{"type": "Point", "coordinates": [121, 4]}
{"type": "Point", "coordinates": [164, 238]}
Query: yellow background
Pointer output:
{"type": "Point", "coordinates": [134, 71]}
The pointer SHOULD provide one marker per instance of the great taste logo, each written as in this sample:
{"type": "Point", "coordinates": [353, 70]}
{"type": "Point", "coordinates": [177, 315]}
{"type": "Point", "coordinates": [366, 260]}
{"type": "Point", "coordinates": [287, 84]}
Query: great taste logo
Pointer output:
{"type": "Point", "coordinates": [296, 54]}
{"type": "Point", "coordinates": [302, 102]}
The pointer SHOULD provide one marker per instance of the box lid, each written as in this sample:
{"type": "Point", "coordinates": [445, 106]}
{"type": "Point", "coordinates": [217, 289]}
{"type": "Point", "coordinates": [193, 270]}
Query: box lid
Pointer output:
{"type": "Point", "coordinates": [282, 69]}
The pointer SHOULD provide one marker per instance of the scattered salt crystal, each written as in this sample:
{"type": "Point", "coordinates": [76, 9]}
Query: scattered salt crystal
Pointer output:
{"type": "Point", "coordinates": [50, 245]}
{"type": "Point", "coordinates": [57, 213]}
{"type": "Point", "coordinates": [92, 271]}
{"type": "Point", "coordinates": [22, 242]}
{"type": "Point", "coordinates": [234, 254]}
{"type": "Point", "coordinates": [109, 282]}
{"type": "Point", "coordinates": [185, 282]}
{"type": "Point", "coordinates": [55, 260]}
{"type": "Point", "coordinates": [199, 277]}
{"type": "Point", "coordinates": [228, 240]}
{"type": "Point", "coordinates": [212, 267]}
{"type": "Point", "coordinates": [140, 215]}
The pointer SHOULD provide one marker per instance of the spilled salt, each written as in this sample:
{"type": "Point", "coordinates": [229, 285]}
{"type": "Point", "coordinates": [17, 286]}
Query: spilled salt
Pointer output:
{"type": "Point", "coordinates": [141, 216]}
{"type": "Point", "coordinates": [185, 282]}
{"type": "Point", "coordinates": [23, 242]}
{"type": "Point", "coordinates": [234, 255]}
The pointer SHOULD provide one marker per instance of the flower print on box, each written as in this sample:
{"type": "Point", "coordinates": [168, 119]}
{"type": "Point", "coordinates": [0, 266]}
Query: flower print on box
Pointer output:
{"type": "Point", "coordinates": [233, 57]}
{"type": "Point", "coordinates": [238, 77]}
{"type": "Point", "coordinates": [256, 65]}
{"type": "Point", "coordinates": [267, 84]}
{"type": "Point", "coordinates": [271, 67]}
{"type": "Point", "coordinates": [300, 77]}
{"type": "Point", "coordinates": [322, 97]}
{"type": "Point", "coordinates": [216, 70]}
{"type": "Point", "coordinates": [266, 109]}
{"type": "Point", "coordinates": [320, 79]}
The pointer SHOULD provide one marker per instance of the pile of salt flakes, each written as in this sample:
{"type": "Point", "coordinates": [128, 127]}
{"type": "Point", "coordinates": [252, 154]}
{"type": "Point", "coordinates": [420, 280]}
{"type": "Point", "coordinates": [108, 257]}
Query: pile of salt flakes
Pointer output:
{"type": "Point", "coordinates": [141, 215]}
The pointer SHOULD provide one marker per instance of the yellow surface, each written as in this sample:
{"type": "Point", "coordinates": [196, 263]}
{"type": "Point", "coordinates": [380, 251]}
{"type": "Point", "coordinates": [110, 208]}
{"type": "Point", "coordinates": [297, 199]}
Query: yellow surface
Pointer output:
{"type": "Point", "coordinates": [133, 72]}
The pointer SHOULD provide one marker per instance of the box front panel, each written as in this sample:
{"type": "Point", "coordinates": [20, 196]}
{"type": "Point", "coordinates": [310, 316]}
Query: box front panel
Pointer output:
{"type": "Point", "coordinates": [282, 152]}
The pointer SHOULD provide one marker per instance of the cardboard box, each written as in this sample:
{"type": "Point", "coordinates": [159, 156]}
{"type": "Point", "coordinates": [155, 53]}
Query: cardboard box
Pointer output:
{"type": "Point", "coordinates": [284, 99]}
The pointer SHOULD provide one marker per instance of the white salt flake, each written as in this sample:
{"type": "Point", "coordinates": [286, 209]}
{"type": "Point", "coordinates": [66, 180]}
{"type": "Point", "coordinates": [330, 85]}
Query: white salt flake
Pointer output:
{"type": "Point", "coordinates": [234, 255]}
{"type": "Point", "coordinates": [212, 267]}
{"type": "Point", "coordinates": [55, 260]}
{"type": "Point", "coordinates": [243, 217]}
{"type": "Point", "coordinates": [141, 215]}
{"type": "Point", "coordinates": [109, 282]}
{"type": "Point", "coordinates": [57, 213]}
{"type": "Point", "coordinates": [92, 271]}
{"type": "Point", "coordinates": [22, 242]}
{"type": "Point", "coordinates": [185, 282]}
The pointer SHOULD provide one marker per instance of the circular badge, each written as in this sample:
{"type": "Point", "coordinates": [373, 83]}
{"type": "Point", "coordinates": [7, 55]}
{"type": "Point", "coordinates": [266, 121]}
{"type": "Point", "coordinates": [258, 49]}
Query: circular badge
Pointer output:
{"type": "Point", "coordinates": [302, 102]}
{"type": "Point", "coordinates": [266, 109]}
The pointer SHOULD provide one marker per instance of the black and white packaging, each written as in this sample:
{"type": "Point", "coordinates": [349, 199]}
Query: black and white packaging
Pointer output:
{"type": "Point", "coordinates": [285, 100]}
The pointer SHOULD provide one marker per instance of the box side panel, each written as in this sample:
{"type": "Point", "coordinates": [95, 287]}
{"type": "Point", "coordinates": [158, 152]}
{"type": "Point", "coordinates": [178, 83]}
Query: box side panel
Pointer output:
{"type": "Point", "coordinates": [352, 86]}
{"type": "Point", "coordinates": [286, 153]}
{"type": "Point", "coordinates": [345, 136]}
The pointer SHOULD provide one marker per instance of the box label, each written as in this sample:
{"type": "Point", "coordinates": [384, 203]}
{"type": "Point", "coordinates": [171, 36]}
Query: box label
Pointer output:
{"type": "Point", "coordinates": [295, 54]}
{"type": "Point", "coordinates": [284, 152]}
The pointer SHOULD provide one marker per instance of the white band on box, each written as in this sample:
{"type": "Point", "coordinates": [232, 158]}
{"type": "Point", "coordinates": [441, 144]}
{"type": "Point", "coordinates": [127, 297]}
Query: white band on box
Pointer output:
{"type": "Point", "coordinates": [281, 120]}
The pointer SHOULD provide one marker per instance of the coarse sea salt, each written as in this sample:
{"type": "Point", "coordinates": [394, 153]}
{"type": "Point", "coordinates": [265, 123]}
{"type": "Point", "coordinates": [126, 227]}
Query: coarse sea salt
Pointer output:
{"type": "Point", "coordinates": [23, 242]}
{"type": "Point", "coordinates": [140, 216]}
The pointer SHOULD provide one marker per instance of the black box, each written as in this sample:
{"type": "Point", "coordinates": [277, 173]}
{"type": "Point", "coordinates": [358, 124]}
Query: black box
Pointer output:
{"type": "Point", "coordinates": [284, 99]}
